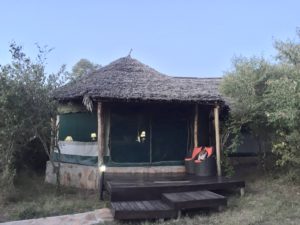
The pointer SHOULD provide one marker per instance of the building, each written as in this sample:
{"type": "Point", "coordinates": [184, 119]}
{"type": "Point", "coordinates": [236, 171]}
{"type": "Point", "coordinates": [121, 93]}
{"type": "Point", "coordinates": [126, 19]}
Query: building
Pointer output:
{"type": "Point", "coordinates": [133, 119]}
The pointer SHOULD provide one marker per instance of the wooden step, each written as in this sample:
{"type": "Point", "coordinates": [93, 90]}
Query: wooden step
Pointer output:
{"type": "Point", "coordinates": [155, 209]}
{"type": "Point", "coordinates": [194, 199]}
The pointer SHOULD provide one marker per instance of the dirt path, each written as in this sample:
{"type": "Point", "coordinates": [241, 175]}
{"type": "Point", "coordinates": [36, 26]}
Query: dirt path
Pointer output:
{"type": "Point", "coordinates": [88, 218]}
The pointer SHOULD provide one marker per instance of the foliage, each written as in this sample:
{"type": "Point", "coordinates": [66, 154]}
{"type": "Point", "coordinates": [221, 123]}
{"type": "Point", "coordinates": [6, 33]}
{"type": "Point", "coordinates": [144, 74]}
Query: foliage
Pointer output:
{"type": "Point", "coordinates": [282, 100]}
{"type": "Point", "coordinates": [231, 138]}
{"type": "Point", "coordinates": [264, 100]}
{"type": "Point", "coordinates": [83, 67]}
{"type": "Point", "coordinates": [26, 106]}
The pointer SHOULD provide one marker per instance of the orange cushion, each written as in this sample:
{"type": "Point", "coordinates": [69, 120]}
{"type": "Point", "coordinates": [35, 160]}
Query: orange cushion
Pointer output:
{"type": "Point", "coordinates": [196, 151]}
{"type": "Point", "coordinates": [209, 151]}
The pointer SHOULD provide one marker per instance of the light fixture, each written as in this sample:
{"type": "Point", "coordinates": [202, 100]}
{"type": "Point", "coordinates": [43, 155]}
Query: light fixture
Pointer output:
{"type": "Point", "coordinates": [102, 168]}
{"type": "Point", "coordinates": [93, 136]}
{"type": "Point", "coordinates": [141, 137]}
{"type": "Point", "coordinates": [69, 138]}
{"type": "Point", "coordinates": [143, 134]}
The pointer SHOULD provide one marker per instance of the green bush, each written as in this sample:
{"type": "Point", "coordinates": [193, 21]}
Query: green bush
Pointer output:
{"type": "Point", "coordinates": [265, 98]}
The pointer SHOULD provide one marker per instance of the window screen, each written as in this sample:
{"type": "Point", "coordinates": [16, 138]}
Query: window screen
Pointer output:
{"type": "Point", "coordinates": [169, 134]}
{"type": "Point", "coordinates": [148, 133]}
{"type": "Point", "coordinates": [130, 132]}
{"type": "Point", "coordinates": [77, 125]}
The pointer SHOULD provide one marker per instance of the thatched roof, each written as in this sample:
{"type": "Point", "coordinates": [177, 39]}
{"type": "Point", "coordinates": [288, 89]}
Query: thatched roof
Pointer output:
{"type": "Point", "coordinates": [130, 80]}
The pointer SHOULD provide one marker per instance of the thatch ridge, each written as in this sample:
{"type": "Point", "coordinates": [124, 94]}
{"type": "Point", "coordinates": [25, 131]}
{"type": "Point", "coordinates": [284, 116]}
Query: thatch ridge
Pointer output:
{"type": "Point", "coordinates": [130, 80]}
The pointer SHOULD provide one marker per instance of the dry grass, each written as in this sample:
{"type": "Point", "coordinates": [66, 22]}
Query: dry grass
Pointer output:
{"type": "Point", "coordinates": [268, 201]}
{"type": "Point", "coordinates": [33, 199]}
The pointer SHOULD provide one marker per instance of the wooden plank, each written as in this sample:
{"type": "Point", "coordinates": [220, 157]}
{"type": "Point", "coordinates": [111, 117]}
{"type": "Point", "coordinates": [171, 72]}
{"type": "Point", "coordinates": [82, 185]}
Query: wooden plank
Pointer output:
{"type": "Point", "coordinates": [195, 195]}
{"type": "Point", "coordinates": [141, 206]}
{"type": "Point", "coordinates": [149, 205]}
{"type": "Point", "coordinates": [134, 206]}
{"type": "Point", "coordinates": [115, 205]}
{"type": "Point", "coordinates": [125, 206]}
{"type": "Point", "coordinates": [131, 206]}
{"type": "Point", "coordinates": [160, 205]}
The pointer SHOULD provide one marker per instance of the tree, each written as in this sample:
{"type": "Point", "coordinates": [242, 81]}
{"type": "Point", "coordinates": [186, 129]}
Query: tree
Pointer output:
{"type": "Point", "coordinates": [265, 99]}
{"type": "Point", "coordinates": [83, 67]}
{"type": "Point", "coordinates": [282, 100]}
{"type": "Point", "coordinates": [26, 107]}
{"type": "Point", "coordinates": [245, 87]}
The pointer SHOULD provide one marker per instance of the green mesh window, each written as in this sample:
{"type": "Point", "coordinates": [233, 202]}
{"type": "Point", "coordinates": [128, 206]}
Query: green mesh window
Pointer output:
{"type": "Point", "coordinates": [164, 139]}
{"type": "Point", "coordinates": [169, 134]}
{"type": "Point", "coordinates": [127, 125]}
{"type": "Point", "coordinates": [77, 125]}
{"type": "Point", "coordinates": [203, 126]}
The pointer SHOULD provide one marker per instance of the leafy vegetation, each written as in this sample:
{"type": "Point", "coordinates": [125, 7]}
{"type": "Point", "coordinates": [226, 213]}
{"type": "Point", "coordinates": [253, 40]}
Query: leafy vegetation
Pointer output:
{"type": "Point", "coordinates": [26, 107]}
{"type": "Point", "coordinates": [81, 68]}
{"type": "Point", "coordinates": [264, 99]}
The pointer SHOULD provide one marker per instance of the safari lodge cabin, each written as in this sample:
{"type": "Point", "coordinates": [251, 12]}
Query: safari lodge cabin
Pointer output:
{"type": "Point", "coordinates": [134, 120]}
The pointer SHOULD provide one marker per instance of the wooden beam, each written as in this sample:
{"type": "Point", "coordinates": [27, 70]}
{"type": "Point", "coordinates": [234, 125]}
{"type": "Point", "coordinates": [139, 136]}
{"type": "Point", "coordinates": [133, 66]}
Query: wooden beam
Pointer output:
{"type": "Point", "coordinates": [196, 126]}
{"type": "Point", "coordinates": [217, 135]}
{"type": "Point", "coordinates": [101, 132]}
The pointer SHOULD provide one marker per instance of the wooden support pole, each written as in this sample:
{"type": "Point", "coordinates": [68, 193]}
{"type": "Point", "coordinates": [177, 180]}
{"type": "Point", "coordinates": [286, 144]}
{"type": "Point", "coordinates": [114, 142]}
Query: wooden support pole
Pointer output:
{"type": "Point", "coordinates": [196, 126]}
{"type": "Point", "coordinates": [217, 135]}
{"type": "Point", "coordinates": [101, 132]}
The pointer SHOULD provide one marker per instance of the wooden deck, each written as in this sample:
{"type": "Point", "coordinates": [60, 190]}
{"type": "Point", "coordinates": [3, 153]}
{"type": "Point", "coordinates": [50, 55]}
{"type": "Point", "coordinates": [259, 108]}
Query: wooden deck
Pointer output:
{"type": "Point", "coordinates": [164, 195]}
{"type": "Point", "coordinates": [138, 187]}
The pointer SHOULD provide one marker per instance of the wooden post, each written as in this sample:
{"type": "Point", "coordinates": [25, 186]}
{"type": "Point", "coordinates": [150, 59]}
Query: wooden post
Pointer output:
{"type": "Point", "coordinates": [196, 126]}
{"type": "Point", "coordinates": [217, 134]}
{"type": "Point", "coordinates": [101, 146]}
{"type": "Point", "coordinates": [101, 133]}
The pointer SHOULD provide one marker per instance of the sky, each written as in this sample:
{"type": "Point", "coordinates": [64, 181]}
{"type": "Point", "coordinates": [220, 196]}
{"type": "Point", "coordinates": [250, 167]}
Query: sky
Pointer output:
{"type": "Point", "coordinates": [176, 37]}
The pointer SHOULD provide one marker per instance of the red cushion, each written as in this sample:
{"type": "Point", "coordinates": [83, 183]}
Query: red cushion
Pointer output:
{"type": "Point", "coordinates": [196, 151]}
{"type": "Point", "coordinates": [209, 151]}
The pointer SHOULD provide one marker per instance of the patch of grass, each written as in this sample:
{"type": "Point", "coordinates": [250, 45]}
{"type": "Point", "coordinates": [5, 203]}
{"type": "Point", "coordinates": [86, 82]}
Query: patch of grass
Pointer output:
{"type": "Point", "coordinates": [32, 198]}
{"type": "Point", "coordinates": [267, 201]}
